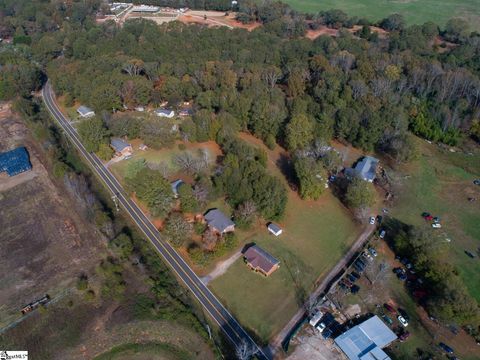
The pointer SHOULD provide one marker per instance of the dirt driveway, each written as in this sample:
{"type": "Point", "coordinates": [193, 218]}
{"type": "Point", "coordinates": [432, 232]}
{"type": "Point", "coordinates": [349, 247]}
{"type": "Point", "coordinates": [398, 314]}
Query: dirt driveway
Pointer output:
{"type": "Point", "coordinates": [310, 345]}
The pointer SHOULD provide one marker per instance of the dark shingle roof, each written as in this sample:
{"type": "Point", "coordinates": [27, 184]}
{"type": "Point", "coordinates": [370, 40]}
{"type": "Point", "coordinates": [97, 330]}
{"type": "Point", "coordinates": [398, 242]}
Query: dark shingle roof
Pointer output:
{"type": "Point", "coordinates": [259, 258]}
{"type": "Point", "coordinates": [119, 144]}
{"type": "Point", "coordinates": [218, 220]}
{"type": "Point", "coordinates": [15, 161]}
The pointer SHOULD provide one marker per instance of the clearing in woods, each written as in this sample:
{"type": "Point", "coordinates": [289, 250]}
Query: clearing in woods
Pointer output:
{"type": "Point", "coordinates": [414, 11]}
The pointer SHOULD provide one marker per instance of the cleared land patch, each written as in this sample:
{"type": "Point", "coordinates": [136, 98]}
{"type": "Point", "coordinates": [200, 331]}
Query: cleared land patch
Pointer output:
{"type": "Point", "coordinates": [44, 244]}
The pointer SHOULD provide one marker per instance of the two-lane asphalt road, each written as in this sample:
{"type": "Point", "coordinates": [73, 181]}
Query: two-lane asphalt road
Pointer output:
{"type": "Point", "coordinates": [210, 303]}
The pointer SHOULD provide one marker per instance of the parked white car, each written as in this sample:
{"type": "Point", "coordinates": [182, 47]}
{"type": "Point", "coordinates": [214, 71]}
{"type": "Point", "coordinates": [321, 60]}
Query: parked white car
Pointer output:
{"type": "Point", "coordinates": [436, 225]}
{"type": "Point", "coordinates": [321, 327]}
{"type": "Point", "coordinates": [372, 220]}
{"type": "Point", "coordinates": [402, 320]}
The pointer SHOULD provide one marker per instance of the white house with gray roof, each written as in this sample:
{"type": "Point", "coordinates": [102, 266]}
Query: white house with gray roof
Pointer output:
{"type": "Point", "coordinates": [219, 222]}
{"type": "Point", "coordinates": [365, 169]}
{"type": "Point", "coordinates": [168, 113]}
{"type": "Point", "coordinates": [85, 112]}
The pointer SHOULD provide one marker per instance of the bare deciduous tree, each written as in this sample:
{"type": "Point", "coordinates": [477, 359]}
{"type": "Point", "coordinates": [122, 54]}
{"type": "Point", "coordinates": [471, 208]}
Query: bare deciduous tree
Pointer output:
{"type": "Point", "coordinates": [200, 192]}
{"type": "Point", "coordinates": [134, 67]}
{"type": "Point", "coordinates": [271, 75]}
{"type": "Point", "coordinates": [209, 239]}
{"type": "Point", "coordinates": [185, 161]}
{"type": "Point", "coordinates": [245, 350]}
{"type": "Point", "coordinates": [376, 272]}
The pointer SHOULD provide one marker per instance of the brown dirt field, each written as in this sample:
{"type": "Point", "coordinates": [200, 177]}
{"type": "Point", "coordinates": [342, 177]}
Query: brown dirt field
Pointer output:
{"type": "Point", "coordinates": [48, 245]}
{"type": "Point", "coordinates": [443, 45]}
{"type": "Point", "coordinates": [215, 18]}
{"type": "Point", "coordinates": [382, 34]}
{"type": "Point", "coordinates": [323, 30]}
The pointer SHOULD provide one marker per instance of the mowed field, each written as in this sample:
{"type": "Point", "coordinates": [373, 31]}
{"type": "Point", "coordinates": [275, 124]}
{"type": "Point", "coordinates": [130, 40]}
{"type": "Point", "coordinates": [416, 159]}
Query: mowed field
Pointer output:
{"type": "Point", "coordinates": [414, 11]}
{"type": "Point", "coordinates": [316, 235]}
{"type": "Point", "coordinates": [440, 183]}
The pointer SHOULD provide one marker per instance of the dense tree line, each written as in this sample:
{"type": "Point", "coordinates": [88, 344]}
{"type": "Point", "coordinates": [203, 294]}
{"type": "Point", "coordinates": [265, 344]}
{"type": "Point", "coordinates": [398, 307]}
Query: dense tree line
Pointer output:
{"type": "Point", "coordinates": [292, 91]}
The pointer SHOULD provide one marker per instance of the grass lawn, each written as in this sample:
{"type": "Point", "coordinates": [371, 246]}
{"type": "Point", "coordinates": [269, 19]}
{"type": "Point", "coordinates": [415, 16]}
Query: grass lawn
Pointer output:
{"type": "Point", "coordinates": [315, 237]}
{"type": "Point", "coordinates": [165, 155]}
{"type": "Point", "coordinates": [441, 183]}
{"type": "Point", "coordinates": [414, 11]}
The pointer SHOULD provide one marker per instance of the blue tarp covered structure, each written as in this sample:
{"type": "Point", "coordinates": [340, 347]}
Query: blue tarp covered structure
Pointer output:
{"type": "Point", "coordinates": [15, 161]}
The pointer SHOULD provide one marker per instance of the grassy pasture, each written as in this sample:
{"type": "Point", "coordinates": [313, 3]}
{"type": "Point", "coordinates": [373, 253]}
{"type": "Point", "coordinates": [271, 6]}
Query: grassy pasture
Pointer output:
{"type": "Point", "coordinates": [414, 11]}
{"type": "Point", "coordinates": [441, 183]}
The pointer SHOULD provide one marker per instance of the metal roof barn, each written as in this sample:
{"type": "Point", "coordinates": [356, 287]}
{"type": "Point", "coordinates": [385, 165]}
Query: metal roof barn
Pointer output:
{"type": "Point", "coordinates": [366, 340]}
{"type": "Point", "coordinates": [15, 161]}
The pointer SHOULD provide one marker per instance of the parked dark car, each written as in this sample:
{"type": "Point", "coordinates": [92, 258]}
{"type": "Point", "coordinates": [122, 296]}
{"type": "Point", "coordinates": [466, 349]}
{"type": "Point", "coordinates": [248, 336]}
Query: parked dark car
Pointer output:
{"type": "Point", "coordinates": [402, 276]}
{"type": "Point", "coordinates": [403, 313]}
{"type": "Point", "coordinates": [390, 308]}
{"type": "Point", "coordinates": [355, 289]}
{"type": "Point", "coordinates": [387, 319]}
{"type": "Point", "coordinates": [328, 319]}
{"type": "Point", "coordinates": [404, 336]}
{"type": "Point", "coordinates": [358, 268]}
{"type": "Point", "coordinates": [470, 254]}
{"type": "Point", "coordinates": [357, 275]}
{"type": "Point", "coordinates": [351, 278]}
{"type": "Point", "coordinates": [379, 219]}
{"type": "Point", "coordinates": [446, 348]}
{"type": "Point", "coordinates": [327, 333]}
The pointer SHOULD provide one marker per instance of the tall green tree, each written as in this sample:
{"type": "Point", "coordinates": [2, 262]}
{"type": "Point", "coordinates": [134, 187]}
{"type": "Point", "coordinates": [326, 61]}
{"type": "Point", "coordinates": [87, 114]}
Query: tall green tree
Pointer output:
{"type": "Point", "coordinates": [153, 189]}
{"type": "Point", "coordinates": [93, 133]}
{"type": "Point", "coordinates": [312, 177]}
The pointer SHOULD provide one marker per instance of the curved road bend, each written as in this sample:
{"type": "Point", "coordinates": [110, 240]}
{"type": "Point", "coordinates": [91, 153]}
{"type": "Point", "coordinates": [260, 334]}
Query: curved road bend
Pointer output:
{"type": "Point", "coordinates": [210, 303]}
